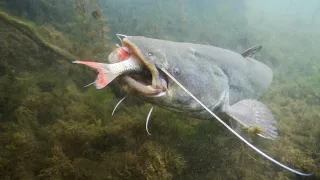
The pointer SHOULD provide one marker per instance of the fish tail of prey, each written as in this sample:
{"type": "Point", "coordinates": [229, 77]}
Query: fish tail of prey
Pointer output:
{"type": "Point", "coordinates": [104, 77]}
{"type": "Point", "coordinates": [108, 72]}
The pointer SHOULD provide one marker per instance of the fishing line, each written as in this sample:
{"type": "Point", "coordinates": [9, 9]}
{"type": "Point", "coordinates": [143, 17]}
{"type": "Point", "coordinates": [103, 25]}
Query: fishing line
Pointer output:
{"type": "Point", "coordinates": [234, 132]}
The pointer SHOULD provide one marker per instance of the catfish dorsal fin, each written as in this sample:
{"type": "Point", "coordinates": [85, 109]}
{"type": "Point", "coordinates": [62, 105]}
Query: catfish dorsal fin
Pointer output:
{"type": "Point", "coordinates": [251, 51]}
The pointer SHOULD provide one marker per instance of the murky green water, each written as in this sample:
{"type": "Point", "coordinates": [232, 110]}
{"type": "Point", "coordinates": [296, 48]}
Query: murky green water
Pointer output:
{"type": "Point", "coordinates": [52, 127]}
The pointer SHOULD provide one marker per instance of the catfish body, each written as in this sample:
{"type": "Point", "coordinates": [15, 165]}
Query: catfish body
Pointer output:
{"type": "Point", "coordinates": [209, 72]}
{"type": "Point", "coordinates": [224, 81]}
{"type": "Point", "coordinates": [196, 79]}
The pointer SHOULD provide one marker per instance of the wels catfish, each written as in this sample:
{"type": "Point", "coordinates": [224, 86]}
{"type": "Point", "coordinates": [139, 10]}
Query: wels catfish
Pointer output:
{"type": "Point", "coordinates": [225, 81]}
{"type": "Point", "coordinates": [199, 80]}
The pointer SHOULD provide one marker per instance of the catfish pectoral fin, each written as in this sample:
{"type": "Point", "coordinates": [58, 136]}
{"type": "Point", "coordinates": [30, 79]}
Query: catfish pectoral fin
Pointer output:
{"type": "Point", "coordinates": [255, 117]}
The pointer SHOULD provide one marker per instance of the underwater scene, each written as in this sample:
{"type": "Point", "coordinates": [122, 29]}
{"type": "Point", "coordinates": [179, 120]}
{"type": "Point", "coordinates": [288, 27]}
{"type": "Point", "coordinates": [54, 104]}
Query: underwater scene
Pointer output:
{"type": "Point", "coordinates": [159, 89]}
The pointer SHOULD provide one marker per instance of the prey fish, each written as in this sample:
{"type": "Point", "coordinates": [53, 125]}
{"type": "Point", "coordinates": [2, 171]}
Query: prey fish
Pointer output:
{"type": "Point", "coordinates": [202, 81]}
{"type": "Point", "coordinates": [126, 65]}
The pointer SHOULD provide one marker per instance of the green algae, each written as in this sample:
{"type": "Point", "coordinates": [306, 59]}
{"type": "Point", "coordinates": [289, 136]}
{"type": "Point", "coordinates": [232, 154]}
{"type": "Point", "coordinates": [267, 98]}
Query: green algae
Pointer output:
{"type": "Point", "coordinates": [28, 31]}
{"type": "Point", "coordinates": [52, 130]}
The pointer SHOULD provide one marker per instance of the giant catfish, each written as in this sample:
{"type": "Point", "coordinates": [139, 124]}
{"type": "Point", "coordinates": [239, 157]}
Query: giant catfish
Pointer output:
{"type": "Point", "coordinates": [201, 81]}
{"type": "Point", "coordinates": [225, 81]}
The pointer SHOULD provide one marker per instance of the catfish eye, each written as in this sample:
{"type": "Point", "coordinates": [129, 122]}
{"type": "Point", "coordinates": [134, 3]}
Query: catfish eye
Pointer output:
{"type": "Point", "coordinates": [176, 71]}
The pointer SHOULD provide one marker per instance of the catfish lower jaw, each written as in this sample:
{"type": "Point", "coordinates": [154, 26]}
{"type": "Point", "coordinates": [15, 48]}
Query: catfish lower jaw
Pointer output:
{"type": "Point", "coordinates": [140, 85]}
{"type": "Point", "coordinates": [156, 81]}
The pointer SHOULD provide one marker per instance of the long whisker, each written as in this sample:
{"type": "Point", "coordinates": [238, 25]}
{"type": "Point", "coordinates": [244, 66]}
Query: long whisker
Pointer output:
{"type": "Point", "coordinates": [118, 104]}
{"type": "Point", "coordinates": [121, 35]}
{"type": "Point", "coordinates": [234, 132]}
{"type": "Point", "coordinates": [147, 121]}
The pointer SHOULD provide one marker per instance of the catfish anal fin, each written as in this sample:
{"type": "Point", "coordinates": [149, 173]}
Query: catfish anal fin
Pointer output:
{"type": "Point", "coordinates": [251, 51]}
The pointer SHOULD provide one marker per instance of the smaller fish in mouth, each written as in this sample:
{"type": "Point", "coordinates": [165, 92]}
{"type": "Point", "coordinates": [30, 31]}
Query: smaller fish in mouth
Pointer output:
{"type": "Point", "coordinates": [131, 68]}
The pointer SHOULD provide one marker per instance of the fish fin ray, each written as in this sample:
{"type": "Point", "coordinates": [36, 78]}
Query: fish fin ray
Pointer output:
{"type": "Point", "coordinates": [251, 51]}
{"type": "Point", "coordinates": [105, 75]}
{"type": "Point", "coordinates": [89, 84]}
{"type": "Point", "coordinates": [235, 125]}
{"type": "Point", "coordinates": [255, 117]}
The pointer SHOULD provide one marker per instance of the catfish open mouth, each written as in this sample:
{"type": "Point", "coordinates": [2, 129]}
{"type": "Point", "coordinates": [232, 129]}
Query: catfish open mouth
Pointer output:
{"type": "Point", "coordinates": [150, 81]}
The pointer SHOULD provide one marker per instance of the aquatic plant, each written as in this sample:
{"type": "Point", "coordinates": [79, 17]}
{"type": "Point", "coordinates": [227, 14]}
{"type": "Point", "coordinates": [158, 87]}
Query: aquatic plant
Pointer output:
{"type": "Point", "coordinates": [53, 129]}
{"type": "Point", "coordinates": [28, 31]}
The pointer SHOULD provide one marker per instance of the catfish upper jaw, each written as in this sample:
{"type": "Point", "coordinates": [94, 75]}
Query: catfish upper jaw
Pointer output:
{"type": "Point", "coordinates": [157, 82]}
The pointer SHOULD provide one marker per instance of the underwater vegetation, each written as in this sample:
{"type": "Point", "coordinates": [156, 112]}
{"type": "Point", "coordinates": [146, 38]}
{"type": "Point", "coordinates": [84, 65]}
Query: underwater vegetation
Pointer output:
{"type": "Point", "coordinates": [51, 127]}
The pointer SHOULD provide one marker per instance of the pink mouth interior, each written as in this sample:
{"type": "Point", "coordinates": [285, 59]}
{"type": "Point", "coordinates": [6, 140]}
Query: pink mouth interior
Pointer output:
{"type": "Point", "coordinates": [140, 82]}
